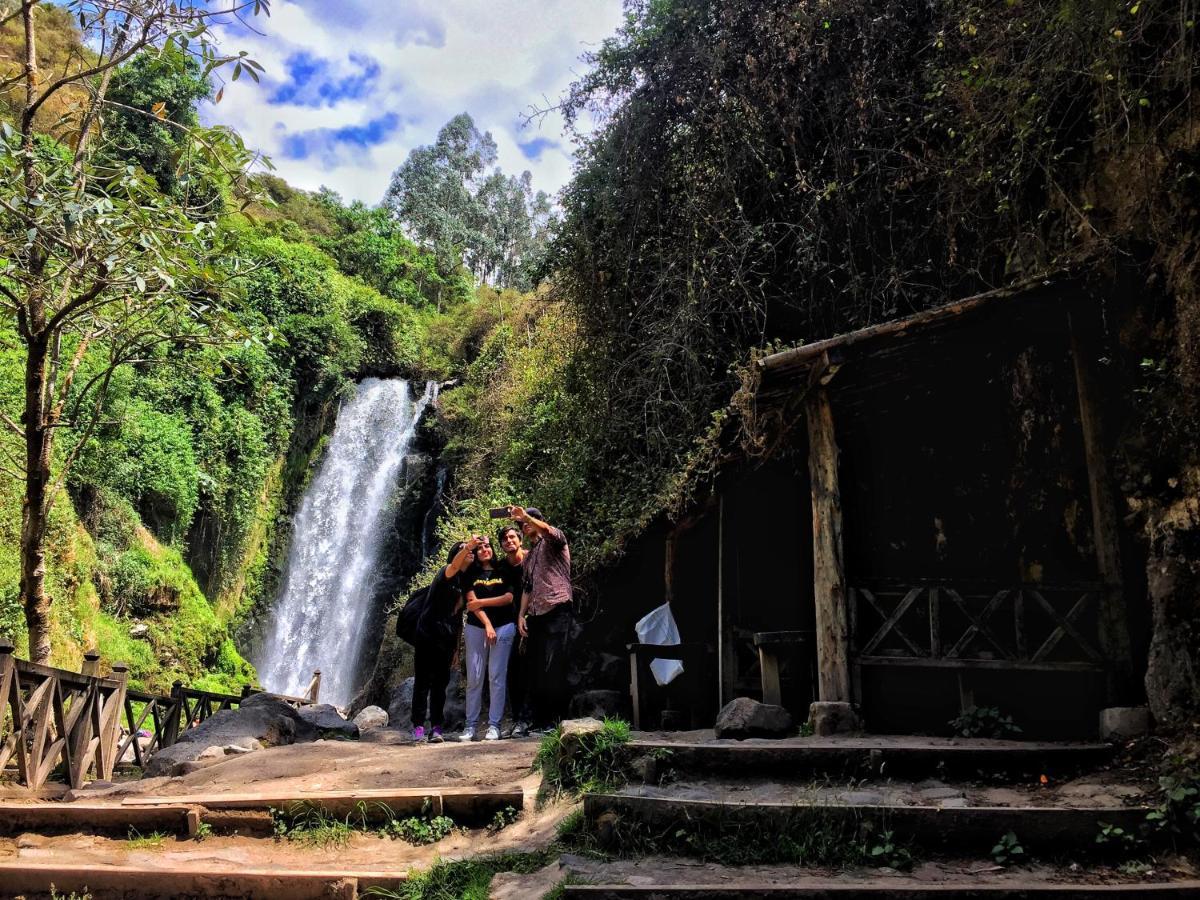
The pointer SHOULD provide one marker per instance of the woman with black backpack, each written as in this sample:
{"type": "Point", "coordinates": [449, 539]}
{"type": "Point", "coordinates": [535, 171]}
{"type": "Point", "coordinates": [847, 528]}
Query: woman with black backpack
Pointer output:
{"type": "Point", "coordinates": [434, 628]}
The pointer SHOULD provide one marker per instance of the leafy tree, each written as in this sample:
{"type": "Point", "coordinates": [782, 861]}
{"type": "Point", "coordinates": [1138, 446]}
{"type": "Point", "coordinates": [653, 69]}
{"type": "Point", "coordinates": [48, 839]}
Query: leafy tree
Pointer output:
{"type": "Point", "coordinates": [446, 199]}
{"type": "Point", "coordinates": [98, 268]}
{"type": "Point", "coordinates": [151, 118]}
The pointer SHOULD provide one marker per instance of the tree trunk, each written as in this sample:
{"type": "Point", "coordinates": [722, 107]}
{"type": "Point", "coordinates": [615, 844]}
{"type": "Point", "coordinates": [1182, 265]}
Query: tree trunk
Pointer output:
{"type": "Point", "coordinates": [36, 507]}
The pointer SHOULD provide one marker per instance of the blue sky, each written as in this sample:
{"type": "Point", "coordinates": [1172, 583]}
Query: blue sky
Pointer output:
{"type": "Point", "coordinates": [351, 86]}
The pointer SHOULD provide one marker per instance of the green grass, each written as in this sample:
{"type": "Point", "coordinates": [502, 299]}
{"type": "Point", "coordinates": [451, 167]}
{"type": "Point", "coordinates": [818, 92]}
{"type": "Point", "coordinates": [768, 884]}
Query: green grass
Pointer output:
{"type": "Point", "coordinates": [312, 826]}
{"type": "Point", "coordinates": [587, 763]}
{"type": "Point", "coordinates": [466, 879]}
{"type": "Point", "coordinates": [152, 841]}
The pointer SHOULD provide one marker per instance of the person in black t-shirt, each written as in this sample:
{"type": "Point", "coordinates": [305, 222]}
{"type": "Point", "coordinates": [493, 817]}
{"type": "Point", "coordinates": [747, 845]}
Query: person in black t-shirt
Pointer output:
{"type": "Point", "coordinates": [509, 537]}
{"type": "Point", "coordinates": [490, 633]}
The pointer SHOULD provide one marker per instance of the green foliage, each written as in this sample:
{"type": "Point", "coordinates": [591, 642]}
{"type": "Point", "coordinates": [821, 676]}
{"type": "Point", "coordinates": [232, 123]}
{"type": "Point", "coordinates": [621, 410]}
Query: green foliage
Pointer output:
{"type": "Point", "coordinates": [502, 819]}
{"type": "Point", "coordinates": [138, 841]}
{"type": "Point", "coordinates": [884, 851]}
{"type": "Point", "coordinates": [467, 879]}
{"type": "Point", "coordinates": [984, 721]}
{"type": "Point", "coordinates": [1008, 849]}
{"type": "Point", "coordinates": [420, 830]}
{"type": "Point", "coordinates": [592, 761]}
{"type": "Point", "coordinates": [1177, 814]}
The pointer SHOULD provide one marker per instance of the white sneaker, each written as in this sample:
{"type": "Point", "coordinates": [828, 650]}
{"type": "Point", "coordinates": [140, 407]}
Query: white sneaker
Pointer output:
{"type": "Point", "coordinates": [467, 736]}
{"type": "Point", "coordinates": [493, 733]}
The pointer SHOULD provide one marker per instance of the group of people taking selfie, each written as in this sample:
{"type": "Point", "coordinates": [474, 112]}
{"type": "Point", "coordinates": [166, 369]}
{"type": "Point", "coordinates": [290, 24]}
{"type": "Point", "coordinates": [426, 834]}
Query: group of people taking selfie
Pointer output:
{"type": "Point", "coordinates": [514, 597]}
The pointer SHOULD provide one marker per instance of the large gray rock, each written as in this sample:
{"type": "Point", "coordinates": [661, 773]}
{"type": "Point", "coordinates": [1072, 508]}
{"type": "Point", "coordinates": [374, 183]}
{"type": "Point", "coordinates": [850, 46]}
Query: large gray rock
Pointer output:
{"type": "Point", "coordinates": [371, 719]}
{"type": "Point", "coordinates": [262, 720]}
{"type": "Point", "coordinates": [328, 721]}
{"type": "Point", "coordinates": [743, 718]}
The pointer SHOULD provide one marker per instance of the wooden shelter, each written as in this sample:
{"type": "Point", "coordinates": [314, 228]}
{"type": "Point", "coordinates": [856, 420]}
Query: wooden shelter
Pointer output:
{"type": "Point", "coordinates": [933, 528]}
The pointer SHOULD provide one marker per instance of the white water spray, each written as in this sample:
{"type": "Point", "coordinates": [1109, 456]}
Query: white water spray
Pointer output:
{"type": "Point", "coordinates": [332, 568]}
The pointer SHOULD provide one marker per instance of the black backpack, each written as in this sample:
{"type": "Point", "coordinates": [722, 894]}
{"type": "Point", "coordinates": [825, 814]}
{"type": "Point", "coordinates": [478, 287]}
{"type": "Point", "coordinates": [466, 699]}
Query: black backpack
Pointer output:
{"type": "Point", "coordinates": [408, 619]}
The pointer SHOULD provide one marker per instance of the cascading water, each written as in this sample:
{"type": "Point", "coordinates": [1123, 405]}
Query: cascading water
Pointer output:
{"type": "Point", "coordinates": [331, 575]}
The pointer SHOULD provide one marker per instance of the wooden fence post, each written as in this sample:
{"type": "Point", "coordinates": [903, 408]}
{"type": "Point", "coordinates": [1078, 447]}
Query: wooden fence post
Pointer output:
{"type": "Point", "coordinates": [171, 725]}
{"type": "Point", "coordinates": [314, 686]}
{"type": "Point", "coordinates": [110, 723]}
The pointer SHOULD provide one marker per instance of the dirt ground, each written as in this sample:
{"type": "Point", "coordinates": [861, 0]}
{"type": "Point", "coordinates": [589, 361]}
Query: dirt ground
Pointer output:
{"type": "Point", "coordinates": [310, 768]}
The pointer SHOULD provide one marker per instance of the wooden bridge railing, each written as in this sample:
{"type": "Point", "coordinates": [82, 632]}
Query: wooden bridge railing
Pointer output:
{"type": "Point", "coordinates": [52, 718]}
{"type": "Point", "coordinates": [60, 718]}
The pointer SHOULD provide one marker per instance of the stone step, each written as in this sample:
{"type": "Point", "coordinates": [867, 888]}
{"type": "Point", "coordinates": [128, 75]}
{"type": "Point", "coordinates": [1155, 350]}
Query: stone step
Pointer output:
{"type": "Point", "coordinates": [617, 818]}
{"type": "Point", "coordinates": [802, 757]}
{"type": "Point", "coordinates": [98, 818]}
{"type": "Point", "coordinates": [882, 887]}
{"type": "Point", "coordinates": [136, 882]}
{"type": "Point", "coordinates": [466, 805]}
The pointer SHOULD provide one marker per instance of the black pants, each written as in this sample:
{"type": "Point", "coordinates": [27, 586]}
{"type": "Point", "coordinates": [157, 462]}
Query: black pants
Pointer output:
{"type": "Point", "coordinates": [545, 674]}
{"type": "Point", "coordinates": [431, 675]}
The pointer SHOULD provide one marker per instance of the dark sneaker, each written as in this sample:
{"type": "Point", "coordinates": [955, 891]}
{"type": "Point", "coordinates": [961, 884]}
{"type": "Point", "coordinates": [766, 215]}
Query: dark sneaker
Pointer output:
{"type": "Point", "coordinates": [435, 736]}
{"type": "Point", "coordinates": [520, 729]}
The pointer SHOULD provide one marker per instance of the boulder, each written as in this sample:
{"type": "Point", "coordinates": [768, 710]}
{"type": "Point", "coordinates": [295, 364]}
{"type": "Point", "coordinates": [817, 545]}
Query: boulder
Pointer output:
{"type": "Point", "coordinates": [828, 717]}
{"type": "Point", "coordinates": [328, 721]}
{"type": "Point", "coordinates": [140, 631]}
{"type": "Point", "coordinates": [598, 704]}
{"type": "Point", "coordinates": [743, 718]}
{"type": "Point", "coordinates": [371, 719]}
{"type": "Point", "coordinates": [262, 720]}
{"type": "Point", "coordinates": [1120, 722]}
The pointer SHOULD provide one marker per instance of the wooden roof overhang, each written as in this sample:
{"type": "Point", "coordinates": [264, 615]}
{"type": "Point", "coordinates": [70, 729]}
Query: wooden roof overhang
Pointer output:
{"type": "Point", "coordinates": [917, 351]}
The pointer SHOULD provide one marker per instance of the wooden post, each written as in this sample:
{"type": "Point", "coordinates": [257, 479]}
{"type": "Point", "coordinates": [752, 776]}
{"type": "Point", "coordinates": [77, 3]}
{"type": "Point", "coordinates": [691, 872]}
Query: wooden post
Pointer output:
{"type": "Point", "coordinates": [110, 723]}
{"type": "Point", "coordinates": [1114, 627]}
{"type": "Point", "coordinates": [8, 685]}
{"type": "Point", "coordinates": [314, 687]}
{"type": "Point", "coordinates": [171, 729]}
{"type": "Point", "coordinates": [726, 648]}
{"type": "Point", "coordinates": [829, 579]}
{"type": "Point", "coordinates": [91, 663]}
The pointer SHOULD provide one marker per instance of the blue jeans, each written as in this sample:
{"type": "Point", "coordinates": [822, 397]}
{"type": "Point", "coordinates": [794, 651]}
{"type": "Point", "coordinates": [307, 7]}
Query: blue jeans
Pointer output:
{"type": "Point", "coordinates": [493, 660]}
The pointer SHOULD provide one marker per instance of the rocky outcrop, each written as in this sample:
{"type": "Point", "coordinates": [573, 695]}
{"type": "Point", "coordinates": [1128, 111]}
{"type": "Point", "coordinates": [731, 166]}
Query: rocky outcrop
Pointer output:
{"type": "Point", "coordinates": [262, 720]}
{"type": "Point", "coordinates": [1172, 679]}
{"type": "Point", "coordinates": [371, 719]}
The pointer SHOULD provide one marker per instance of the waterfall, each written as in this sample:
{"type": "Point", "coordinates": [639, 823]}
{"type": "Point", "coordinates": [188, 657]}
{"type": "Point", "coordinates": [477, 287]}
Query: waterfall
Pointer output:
{"type": "Point", "coordinates": [331, 576]}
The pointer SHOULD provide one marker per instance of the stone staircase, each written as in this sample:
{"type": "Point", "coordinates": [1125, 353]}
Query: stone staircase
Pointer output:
{"type": "Point", "coordinates": [872, 817]}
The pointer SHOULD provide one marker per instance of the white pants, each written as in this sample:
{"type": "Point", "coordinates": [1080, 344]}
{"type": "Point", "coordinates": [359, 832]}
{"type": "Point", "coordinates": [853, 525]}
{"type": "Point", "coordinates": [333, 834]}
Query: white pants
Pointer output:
{"type": "Point", "coordinates": [493, 659]}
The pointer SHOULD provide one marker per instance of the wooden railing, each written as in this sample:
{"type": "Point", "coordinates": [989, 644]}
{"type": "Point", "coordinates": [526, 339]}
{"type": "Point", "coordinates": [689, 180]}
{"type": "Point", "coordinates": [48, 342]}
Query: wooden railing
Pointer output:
{"type": "Point", "coordinates": [185, 708]}
{"type": "Point", "coordinates": [955, 625]}
{"type": "Point", "coordinates": [59, 719]}
{"type": "Point", "coordinates": [52, 719]}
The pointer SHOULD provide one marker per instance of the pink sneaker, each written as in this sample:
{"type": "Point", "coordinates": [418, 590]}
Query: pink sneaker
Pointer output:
{"type": "Point", "coordinates": [418, 733]}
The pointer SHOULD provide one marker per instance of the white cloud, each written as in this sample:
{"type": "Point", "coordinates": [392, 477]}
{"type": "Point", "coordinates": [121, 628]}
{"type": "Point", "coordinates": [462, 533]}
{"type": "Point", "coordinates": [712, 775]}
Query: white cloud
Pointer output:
{"type": "Point", "coordinates": [494, 59]}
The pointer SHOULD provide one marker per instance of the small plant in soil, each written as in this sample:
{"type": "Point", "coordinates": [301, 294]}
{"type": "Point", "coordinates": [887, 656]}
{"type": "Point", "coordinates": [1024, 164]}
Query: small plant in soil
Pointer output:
{"type": "Point", "coordinates": [419, 830]}
{"type": "Point", "coordinates": [502, 819]}
{"type": "Point", "coordinates": [885, 852]}
{"type": "Point", "coordinates": [311, 826]}
{"type": "Point", "coordinates": [203, 831]}
{"type": "Point", "coordinates": [1008, 849]}
{"type": "Point", "coordinates": [466, 878]}
{"type": "Point", "coordinates": [137, 841]}
{"type": "Point", "coordinates": [1178, 811]}
{"type": "Point", "coordinates": [984, 722]}
{"type": "Point", "coordinates": [84, 895]}
{"type": "Point", "coordinates": [1111, 835]}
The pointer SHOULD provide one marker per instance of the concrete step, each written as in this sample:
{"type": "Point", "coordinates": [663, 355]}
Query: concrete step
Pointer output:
{"type": "Point", "coordinates": [621, 818]}
{"type": "Point", "coordinates": [34, 880]}
{"type": "Point", "coordinates": [882, 887]}
{"type": "Point", "coordinates": [97, 818]}
{"type": "Point", "coordinates": [802, 757]}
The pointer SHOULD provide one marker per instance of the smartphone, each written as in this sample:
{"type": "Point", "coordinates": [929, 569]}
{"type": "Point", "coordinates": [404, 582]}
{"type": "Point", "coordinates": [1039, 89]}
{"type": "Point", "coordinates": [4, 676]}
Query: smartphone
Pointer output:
{"type": "Point", "coordinates": [500, 512]}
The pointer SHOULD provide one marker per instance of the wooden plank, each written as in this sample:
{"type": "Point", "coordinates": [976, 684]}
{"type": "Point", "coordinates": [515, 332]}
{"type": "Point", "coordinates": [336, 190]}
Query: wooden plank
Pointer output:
{"type": "Point", "coordinates": [935, 623]}
{"type": "Point", "coordinates": [17, 817]}
{"type": "Point", "coordinates": [768, 664]}
{"type": "Point", "coordinates": [1013, 665]}
{"type": "Point", "coordinates": [1019, 625]}
{"type": "Point", "coordinates": [829, 571]}
{"type": "Point", "coordinates": [890, 624]}
{"type": "Point", "coordinates": [1065, 625]}
{"type": "Point", "coordinates": [1114, 624]}
{"type": "Point", "coordinates": [977, 623]}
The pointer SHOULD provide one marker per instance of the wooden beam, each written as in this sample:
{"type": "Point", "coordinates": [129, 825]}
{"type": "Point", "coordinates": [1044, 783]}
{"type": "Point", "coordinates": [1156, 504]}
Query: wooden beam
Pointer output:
{"type": "Point", "coordinates": [1114, 627]}
{"type": "Point", "coordinates": [726, 648]}
{"type": "Point", "coordinates": [829, 576]}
